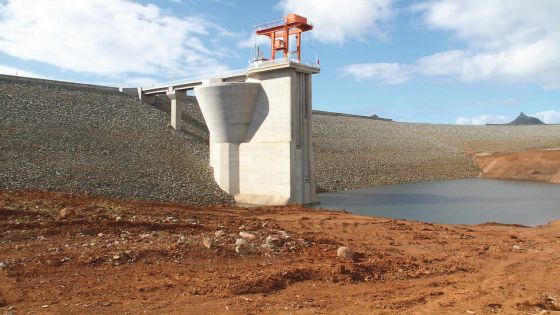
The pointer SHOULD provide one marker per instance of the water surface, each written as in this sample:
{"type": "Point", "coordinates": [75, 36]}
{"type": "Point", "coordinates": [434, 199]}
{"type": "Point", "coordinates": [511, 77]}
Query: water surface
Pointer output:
{"type": "Point", "coordinates": [466, 201]}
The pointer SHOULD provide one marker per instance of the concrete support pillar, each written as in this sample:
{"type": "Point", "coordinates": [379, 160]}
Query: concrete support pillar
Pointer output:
{"type": "Point", "coordinates": [177, 98]}
{"type": "Point", "coordinates": [149, 99]}
{"type": "Point", "coordinates": [227, 171]}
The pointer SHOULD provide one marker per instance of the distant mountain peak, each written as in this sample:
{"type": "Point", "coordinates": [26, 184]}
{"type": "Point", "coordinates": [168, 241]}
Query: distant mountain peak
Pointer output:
{"type": "Point", "coordinates": [523, 119]}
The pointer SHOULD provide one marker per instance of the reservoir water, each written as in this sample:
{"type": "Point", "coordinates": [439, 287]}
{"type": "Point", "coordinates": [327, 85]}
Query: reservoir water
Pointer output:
{"type": "Point", "coordinates": [466, 201]}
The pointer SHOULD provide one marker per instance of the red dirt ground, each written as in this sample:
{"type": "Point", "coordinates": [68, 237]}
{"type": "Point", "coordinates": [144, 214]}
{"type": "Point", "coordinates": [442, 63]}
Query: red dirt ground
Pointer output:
{"type": "Point", "coordinates": [535, 165]}
{"type": "Point", "coordinates": [115, 256]}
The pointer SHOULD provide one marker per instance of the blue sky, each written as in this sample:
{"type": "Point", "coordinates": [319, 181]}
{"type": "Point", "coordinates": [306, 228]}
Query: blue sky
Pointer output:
{"type": "Point", "coordinates": [438, 61]}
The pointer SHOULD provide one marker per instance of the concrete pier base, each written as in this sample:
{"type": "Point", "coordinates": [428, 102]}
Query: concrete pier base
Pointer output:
{"type": "Point", "coordinates": [177, 98]}
{"type": "Point", "coordinates": [149, 99]}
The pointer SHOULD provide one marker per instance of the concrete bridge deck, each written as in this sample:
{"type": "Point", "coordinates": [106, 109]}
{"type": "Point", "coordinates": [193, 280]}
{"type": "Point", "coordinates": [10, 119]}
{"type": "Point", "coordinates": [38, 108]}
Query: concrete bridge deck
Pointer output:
{"type": "Point", "coordinates": [239, 75]}
{"type": "Point", "coordinates": [189, 84]}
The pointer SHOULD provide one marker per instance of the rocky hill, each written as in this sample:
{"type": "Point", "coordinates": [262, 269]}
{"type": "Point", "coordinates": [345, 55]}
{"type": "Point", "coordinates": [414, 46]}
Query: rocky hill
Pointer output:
{"type": "Point", "coordinates": [523, 119]}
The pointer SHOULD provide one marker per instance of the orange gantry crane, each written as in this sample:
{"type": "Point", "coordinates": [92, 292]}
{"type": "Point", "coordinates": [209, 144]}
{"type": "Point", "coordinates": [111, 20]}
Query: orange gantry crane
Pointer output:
{"type": "Point", "coordinates": [279, 32]}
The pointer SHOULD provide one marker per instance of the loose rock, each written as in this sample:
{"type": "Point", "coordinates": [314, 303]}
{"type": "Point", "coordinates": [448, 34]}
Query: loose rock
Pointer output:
{"type": "Point", "coordinates": [66, 213]}
{"type": "Point", "coordinates": [192, 222]}
{"type": "Point", "coordinates": [284, 235]}
{"type": "Point", "coordinates": [242, 246]}
{"type": "Point", "coordinates": [345, 253]}
{"type": "Point", "coordinates": [242, 249]}
{"type": "Point", "coordinates": [272, 241]}
{"type": "Point", "coordinates": [208, 242]}
{"type": "Point", "coordinates": [247, 235]}
{"type": "Point", "coordinates": [240, 241]}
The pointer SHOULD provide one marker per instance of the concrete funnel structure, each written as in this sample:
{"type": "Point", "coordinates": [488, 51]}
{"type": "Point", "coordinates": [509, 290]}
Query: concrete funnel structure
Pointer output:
{"type": "Point", "coordinates": [228, 109]}
{"type": "Point", "coordinates": [260, 133]}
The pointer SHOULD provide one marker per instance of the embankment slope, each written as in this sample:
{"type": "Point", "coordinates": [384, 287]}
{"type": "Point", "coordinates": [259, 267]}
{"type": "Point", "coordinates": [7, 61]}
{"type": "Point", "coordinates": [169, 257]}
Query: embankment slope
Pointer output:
{"type": "Point", "coordinates": [100, 143]}
{"type": "Point", "coordinates": [107, 143]}
{"type": "Point", "coordinates": [358, 152]}
{"type": "Point", "coordinates": [534, 165]}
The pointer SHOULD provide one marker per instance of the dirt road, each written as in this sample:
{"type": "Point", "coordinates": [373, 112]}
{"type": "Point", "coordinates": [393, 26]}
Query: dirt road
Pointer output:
{"type": "Point", "coordinates": [109, 256]}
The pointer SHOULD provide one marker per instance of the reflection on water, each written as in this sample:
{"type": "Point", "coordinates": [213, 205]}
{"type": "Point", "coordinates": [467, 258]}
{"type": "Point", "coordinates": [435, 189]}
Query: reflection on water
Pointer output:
{"type": "Point", "coordinates": [467, 201]}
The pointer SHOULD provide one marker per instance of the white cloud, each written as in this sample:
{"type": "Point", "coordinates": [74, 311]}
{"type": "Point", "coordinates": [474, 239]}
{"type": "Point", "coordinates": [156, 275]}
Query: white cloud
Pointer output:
{"type": "Point", "coordinates": [505, 40]}
{"type": "Point", "coordinates": [483, 119]}
{"type": "Point", "coordinates": [443, 63]}
{"type": "Point", "coordinates": [338, 20]}
{"type": "Point", "coordinates": [140, 81]}
{"type": "Point", "coordinates": [388, 73]}
{"type": "Point", "coordinates": [548, 116]}
{"type": "Point", "coordinates": [108, 37]}
{"type": "Point", "coordinates": [249, 42]}
{"type": "Point", "coordinates": [18, 72]}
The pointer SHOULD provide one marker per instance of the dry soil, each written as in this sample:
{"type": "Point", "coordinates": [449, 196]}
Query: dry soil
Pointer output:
{"type": "Point", "coordinates": [108, 256]}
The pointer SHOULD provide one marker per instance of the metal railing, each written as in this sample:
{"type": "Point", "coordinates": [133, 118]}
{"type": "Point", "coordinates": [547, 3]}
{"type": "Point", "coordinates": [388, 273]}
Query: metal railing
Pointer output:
{"type": "Point", "coordinates": [272, 24]}
{"type": "Point", "coordinates": [263, 63]}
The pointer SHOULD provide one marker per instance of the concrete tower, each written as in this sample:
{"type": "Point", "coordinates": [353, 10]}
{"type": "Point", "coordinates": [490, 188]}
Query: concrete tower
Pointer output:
{"type": "Point", "coordinates": [260, 133]}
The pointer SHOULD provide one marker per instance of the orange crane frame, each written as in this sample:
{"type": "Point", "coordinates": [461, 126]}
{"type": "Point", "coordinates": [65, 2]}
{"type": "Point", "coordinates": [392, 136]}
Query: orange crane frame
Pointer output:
{"type": "Point", "coordinates": [279, 33]}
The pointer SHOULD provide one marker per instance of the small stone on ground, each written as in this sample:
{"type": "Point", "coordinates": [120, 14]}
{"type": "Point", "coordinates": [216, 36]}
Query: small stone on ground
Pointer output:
{"type": "Point", "coordinates": [345, 253]}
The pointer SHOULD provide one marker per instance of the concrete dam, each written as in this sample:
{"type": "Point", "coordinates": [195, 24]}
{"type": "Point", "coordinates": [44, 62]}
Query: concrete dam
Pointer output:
{"type": "Point", "coordinates": [260, 129]}
{"type": "Point", "coordinates": [259, 120]}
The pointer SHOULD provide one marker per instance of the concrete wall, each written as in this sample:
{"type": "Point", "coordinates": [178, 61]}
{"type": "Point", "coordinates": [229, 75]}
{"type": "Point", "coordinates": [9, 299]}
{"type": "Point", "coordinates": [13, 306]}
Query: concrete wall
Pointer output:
{"type": "Point", "coordinates": [273, 162]}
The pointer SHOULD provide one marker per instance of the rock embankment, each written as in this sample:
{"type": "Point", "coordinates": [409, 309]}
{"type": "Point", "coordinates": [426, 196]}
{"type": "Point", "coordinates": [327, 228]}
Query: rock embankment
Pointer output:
{"type": "Point", "coordinates": [100, 143]}
{"type": "Point", "coordinates": [106, 143]}
{"type": "Point", "coordinates": [356, 152]}
{"type": "Point", "coordinates": [534, 165]}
